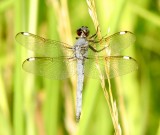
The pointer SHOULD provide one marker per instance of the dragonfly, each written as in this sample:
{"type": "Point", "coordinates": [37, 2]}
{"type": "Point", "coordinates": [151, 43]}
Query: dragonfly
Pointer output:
{"type": "Point", "coordinates": [58, 60]}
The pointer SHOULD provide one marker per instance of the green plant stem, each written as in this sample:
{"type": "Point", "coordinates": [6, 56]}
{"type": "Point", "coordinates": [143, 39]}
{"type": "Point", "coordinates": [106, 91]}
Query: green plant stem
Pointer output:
{"type": "Point", "coordinates": [18, 119]}
{"type": "Point", "coordinates": [29, 87]}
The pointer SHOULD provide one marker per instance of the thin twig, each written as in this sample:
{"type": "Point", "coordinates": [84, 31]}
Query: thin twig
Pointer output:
{"type": "Point", "coordinates": [64, 29]}
{"type": "Point", "coordinates": [108, 94]}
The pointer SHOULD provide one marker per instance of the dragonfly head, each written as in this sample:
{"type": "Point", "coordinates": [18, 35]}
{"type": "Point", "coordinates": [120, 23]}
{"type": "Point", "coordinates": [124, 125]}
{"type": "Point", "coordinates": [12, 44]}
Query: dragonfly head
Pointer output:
{"type": "Point", "coordinates": [83, 31]}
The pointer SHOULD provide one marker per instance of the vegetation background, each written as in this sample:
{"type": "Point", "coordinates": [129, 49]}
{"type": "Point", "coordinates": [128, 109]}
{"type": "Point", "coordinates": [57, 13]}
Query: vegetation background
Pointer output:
{"type": "Point", "coordinates": [31, 105]}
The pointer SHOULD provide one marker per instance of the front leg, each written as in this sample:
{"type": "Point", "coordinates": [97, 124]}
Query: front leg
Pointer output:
{"type": "Point", "coordinates": [93, 49]}
{"type": "Point", "coordinates": [94, 35]}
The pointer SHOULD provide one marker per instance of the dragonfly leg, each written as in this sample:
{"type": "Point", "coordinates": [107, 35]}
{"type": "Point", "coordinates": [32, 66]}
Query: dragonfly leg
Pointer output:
{"type": "Point", "coordinates": [95, 35]}
{"type": "Point", "coordinates": [96, 41]}
{"type": "Point", "coordinates": [93, 49]}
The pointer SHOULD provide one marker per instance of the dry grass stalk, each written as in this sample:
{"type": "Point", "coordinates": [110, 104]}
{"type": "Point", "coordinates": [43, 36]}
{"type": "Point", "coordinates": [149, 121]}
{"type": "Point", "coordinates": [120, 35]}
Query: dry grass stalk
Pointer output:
{"type": "Point", "coordinates": [64, 29]}
{"type": "Point", "coordinates": [108, 94]}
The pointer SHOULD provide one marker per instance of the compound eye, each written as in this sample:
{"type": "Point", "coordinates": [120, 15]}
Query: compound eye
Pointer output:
{"type": "Point", "coordinates": [79, 32]}
{"type": "Point", "coordinates": [87, 33]}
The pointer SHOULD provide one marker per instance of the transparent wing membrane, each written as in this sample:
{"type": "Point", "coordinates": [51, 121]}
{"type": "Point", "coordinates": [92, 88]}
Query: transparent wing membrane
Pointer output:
{"type": "Point", "coordinates": [42, 46]}
{"type": "Point", "coordinates": [52, 68]}
{"type": "Point", "coordinates": [114, 44]}
{"type": "Point", "coordinates": [113, 66]}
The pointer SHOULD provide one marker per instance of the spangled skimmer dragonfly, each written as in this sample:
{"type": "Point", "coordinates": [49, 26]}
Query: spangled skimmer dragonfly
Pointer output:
{"type": "Point", "coordinates": [58, 60]}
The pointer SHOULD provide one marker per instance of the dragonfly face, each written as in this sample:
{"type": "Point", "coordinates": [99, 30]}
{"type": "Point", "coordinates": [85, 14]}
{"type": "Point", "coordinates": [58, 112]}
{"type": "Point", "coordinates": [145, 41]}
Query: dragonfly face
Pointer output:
{"type": "Point", "coordinates": [83, 31]}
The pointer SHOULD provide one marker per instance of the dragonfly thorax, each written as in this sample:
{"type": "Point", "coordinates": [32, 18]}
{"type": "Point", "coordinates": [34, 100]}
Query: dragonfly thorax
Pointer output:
{"type": "Point", "coordinates": [81, 48]}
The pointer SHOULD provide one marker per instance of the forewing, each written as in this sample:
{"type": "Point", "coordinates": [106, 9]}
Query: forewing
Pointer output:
{"type": "Point", "coordinates": [114, 44]}
{"type": "Point", "coordinates": [42, 46]}
{"type": "Point", "coordinates": [52, 68]}
{"type": "Point", "coordinates": [113, 66]}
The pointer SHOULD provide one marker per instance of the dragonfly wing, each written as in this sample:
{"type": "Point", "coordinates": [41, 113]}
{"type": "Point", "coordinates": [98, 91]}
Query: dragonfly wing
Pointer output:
{"type": "Point", "coordinates": [113, 66]}
{"type": "Point", "coordinates": [115, 43]}
{"type": "Point", "coordinates": [52, 68]}
{"type": "Point", "coordinates": [42, 46]}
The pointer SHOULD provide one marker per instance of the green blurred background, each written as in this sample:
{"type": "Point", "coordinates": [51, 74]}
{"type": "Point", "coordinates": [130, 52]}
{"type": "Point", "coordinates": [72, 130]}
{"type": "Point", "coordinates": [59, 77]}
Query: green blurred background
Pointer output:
{"type": "Point", "coordinates": [31, 105]}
